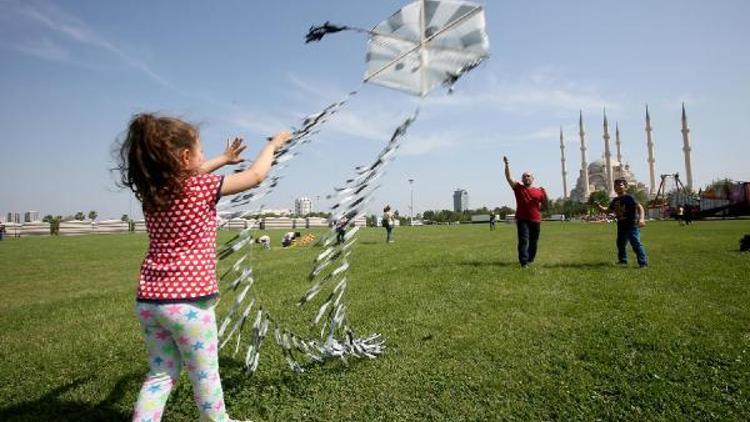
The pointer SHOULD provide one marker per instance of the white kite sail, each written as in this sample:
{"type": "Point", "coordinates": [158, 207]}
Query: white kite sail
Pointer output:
{"type": "Point", "coordinates": [426, 44]}
{"type": "Point", "coordinates": [423, 45]}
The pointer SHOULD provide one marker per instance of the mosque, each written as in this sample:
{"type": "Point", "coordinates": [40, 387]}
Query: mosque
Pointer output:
{"type": "Point", "coordinates": [597, 175]}
{"type": "Point", "coordinates": [601, 174]}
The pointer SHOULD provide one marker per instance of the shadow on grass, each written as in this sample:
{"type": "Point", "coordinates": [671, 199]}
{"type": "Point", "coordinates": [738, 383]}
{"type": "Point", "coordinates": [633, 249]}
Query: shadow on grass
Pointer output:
{"type": "Point", "coordinates": [51, 407]}
{"type": "Point", "coordinates": [487, 264]}
{"type": "Point", "coordinates": [235, 379]}
{"type": "Point", "coordinates": [578, 265]}
{"type": "Point", "coordinates": [372, 242]}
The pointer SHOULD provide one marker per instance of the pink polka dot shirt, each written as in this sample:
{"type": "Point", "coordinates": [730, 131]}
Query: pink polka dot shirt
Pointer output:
{"type": "Point", "coordinates": [180, 264]}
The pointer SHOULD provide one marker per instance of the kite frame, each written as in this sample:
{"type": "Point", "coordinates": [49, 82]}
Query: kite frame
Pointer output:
{"type": "Point", "coordinates": [422, 44]}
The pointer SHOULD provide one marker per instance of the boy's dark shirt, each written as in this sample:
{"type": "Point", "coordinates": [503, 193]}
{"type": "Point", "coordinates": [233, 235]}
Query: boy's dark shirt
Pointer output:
{"type": "Point", "coordinates": [625, 209]}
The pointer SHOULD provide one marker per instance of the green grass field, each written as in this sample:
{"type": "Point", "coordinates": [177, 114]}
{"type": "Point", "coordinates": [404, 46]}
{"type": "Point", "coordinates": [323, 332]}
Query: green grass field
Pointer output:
{"type": "Point", "coordinates": [470, 335]}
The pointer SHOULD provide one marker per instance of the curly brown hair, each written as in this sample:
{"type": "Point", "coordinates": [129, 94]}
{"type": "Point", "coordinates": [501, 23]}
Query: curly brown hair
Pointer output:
{"type": "Point", "coordinates": [149, 158]}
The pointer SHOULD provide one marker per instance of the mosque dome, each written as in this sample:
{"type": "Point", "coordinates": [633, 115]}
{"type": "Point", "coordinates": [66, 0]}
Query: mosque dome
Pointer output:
{"type": "Point", "coordinates": [597, 172]}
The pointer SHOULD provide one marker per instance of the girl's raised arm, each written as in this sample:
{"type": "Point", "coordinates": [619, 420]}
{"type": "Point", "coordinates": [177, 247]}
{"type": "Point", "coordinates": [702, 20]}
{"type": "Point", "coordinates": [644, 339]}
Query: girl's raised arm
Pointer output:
{"type": "Point", "coordinates": [231, 155]}
{"type": "Point", "coordinates": [257, 172]}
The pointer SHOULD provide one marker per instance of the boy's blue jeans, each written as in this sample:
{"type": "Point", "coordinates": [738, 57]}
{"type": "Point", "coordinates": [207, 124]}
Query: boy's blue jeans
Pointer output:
{"type": "Point", "coordinates": [630, 233]}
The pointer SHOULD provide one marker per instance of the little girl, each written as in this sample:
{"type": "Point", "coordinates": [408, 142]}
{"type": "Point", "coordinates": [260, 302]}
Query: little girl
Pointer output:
{"type": "Point", "coordinates": [161, 161]}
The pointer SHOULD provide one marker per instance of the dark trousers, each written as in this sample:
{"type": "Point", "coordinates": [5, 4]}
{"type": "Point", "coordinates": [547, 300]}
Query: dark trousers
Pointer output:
{"type": "Point", "coordinates": [340, 233]}
{"type": "Point", "coordinates": [528, 237]}
{"type": "Point", "coordinates": [630, 233]}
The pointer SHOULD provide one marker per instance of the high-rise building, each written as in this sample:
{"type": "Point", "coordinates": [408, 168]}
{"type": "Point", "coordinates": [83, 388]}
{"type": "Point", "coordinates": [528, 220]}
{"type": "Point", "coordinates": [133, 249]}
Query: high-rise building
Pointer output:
{"type": "Point", "coordinates": [460, 200]}
{"type": "Point", "coordinates": [16, 218]}
{"type": "Point", "coordinates": [30, 216]}
{"type": "Point", "coordinates": [302, 206]}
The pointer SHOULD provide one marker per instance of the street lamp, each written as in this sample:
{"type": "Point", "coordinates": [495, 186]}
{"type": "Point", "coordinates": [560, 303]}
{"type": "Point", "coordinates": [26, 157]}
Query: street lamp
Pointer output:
{"type": "Point", "coordinates": [411, 207]}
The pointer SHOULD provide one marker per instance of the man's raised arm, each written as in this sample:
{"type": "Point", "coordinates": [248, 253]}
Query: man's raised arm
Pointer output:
{"type": "Point", "coordinates": [510, 180]}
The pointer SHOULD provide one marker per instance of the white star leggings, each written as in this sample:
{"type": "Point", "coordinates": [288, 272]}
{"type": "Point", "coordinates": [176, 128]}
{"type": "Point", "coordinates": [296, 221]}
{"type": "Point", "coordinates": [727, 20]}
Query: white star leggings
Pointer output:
{"type": "Point", "coordinates": [177, 335]}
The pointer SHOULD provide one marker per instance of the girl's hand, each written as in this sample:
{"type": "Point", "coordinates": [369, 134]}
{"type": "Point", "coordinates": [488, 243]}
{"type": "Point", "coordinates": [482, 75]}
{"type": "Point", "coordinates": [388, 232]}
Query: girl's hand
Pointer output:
{"type": "Point", "coordinates": [233, 151]}
{"type": "Point", "coordinates": [278, 140]}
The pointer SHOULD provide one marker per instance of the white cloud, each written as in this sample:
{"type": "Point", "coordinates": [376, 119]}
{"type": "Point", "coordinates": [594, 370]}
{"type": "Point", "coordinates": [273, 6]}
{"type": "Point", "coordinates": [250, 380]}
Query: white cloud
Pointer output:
{"type": "Point", "coordinates": [257, 122]}
{"type": "Point", "coordinates": [543, 89]}
{"type": "Point", "coordinates": [42, 48]}
{"type": "Point", "coordinates": [305, 89]}
{"type": "Point", "coordinates": [415, 145]}
{"type": "Point", "coordinates": [375, 126]}
{"type": "Point", "coordinates": [675, 103]}
{"type": "Point", "coordinates": [70, 28]}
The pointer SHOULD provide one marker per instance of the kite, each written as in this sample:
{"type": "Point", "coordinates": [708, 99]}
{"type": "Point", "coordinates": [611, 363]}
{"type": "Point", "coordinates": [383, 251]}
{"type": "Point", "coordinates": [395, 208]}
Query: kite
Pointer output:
{"type": "Point", "coordinates": [426, 44]}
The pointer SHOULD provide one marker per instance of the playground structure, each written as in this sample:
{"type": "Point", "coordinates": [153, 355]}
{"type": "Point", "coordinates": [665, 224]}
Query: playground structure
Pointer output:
{"type": "Point", "coordinates": [736, 196]}
{"type": "Point", "coordinates": [729, 200]}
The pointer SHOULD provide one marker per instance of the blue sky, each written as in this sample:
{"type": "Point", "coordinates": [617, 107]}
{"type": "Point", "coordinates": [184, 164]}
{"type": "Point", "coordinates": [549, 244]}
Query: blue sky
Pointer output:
{"type": "Point", "coordinates": [73, 72]}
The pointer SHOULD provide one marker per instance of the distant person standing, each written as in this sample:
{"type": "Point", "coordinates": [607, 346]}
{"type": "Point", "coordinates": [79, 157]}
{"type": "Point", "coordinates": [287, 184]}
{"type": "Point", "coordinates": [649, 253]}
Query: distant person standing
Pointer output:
{"type": "Point", "coordinates": [2, 231]}
{"type": "Point", "coordinates": [688, 217]}
{"type": "Point", "coordinates": [493, 219]}
{"type": "Point", "coordinates": [388, 222]}
{"type": "Point", "coordinates": [681, 215]}
{"type": "Point", "coordinates": [341, 229]}
{"type": "Point", "coordinates": [529, 203]}
{"type": "Point", "coordinates": [630, 218]}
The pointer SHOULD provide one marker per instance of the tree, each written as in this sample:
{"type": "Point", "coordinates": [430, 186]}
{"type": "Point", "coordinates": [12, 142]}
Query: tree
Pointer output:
{"type": "Point", "coordinates": [48, 218]}
{"type": "Point", "coordinates": [54, 225]}
{"type": "Point", "coordinates": [637, 193]}
{"type": "Point", "coordinates": [372, 220]}
{"type": "Point", "coordinates": [92, 215]}
{"type": "Point", "coordinates": [125, 218]}
{"type": "Point", "coordinates": [504, 211]}
{"type": "Point", "coordinates": [719, 188]}
{"type": "Point", "coordinates": [480, 211]}
{"type": "Point", "coordinates": [568, 207]}
{"type": "Point", "coordinates": [80, 216]}
{"type": "Point", "coordinates": [320, 214]}
{"type": "Point", "coordinates": [599, 197]}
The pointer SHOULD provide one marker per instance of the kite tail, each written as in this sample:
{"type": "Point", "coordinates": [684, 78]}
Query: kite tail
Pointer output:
{"type": "Point", "coordinates": [452, 77]}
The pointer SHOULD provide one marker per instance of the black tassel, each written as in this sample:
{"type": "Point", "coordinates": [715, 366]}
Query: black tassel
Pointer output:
{"type": "Point", "coordinates": [316, 33]}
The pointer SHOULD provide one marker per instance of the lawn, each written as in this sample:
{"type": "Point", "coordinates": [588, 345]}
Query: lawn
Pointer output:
{"type": "Point", "coordinates": [470, 335]}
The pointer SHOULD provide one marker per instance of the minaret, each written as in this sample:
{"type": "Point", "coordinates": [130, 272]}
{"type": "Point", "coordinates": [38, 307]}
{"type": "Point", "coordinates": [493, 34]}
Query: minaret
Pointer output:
{"type": "Point", "coordinates": [686, 149]}
{"type": "Point", "coordinates": [562, 161]}
{"type": "Point", "coordinates": [608, 157]}
{"type": "Point", "coordinates": [617, 142]}
{"type": "Point", "coordinates": [651, 160]}
{"type": "Point", "coordinates": [584, 164]}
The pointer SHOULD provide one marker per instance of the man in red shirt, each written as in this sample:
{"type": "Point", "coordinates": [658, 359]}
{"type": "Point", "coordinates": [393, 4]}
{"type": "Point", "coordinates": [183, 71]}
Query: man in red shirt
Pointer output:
{"type": "Point", "coordinates": [529, 203]}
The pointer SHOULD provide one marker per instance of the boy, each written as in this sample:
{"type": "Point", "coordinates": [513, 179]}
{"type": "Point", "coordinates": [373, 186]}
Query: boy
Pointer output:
{"type": "Point", "coordinates": [630, 218]}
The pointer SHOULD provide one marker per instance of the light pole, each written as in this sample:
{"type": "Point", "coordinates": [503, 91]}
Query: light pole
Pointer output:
{"type": "Point", "coordinates": [411, 207]}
